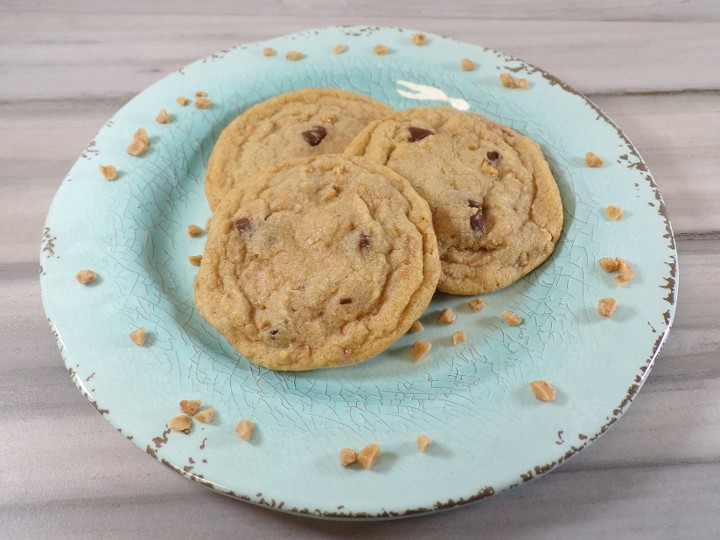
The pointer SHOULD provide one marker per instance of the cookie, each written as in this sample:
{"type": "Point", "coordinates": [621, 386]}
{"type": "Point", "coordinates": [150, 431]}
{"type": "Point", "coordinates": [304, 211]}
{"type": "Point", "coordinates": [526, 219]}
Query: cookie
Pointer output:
{"type": "Point", "coordinates": [496, 207]}
{"type": "Point", "coordinates": [297, 124]}
{"type": "Point", "coordinates": [319, 262]}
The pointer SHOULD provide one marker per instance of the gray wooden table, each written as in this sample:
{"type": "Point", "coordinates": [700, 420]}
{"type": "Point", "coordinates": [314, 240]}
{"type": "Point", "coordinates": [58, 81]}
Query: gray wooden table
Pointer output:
{"type": "Point", "coordinates": [66, 67]}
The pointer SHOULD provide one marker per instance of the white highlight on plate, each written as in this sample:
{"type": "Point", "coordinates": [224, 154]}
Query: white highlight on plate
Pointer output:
{"type": "Point", "coordinates": [431, 93]}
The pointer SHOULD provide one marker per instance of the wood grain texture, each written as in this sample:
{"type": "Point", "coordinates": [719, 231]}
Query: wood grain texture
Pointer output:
{"type": "Point", "coordinates": [611, 10]}
{"type": "Point", "coordinates": [652, 66]}
{"type": "Point", "coordinates": [91, 57]}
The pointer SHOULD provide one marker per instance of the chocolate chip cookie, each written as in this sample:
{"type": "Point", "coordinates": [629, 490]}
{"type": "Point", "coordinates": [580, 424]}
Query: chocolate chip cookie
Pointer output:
{"type": "Point", "coordinates": [319, 262]}
{"type": "Point", "coordinates": [496, 207]}
{"type": "Point", "coordinates": [296, 124]}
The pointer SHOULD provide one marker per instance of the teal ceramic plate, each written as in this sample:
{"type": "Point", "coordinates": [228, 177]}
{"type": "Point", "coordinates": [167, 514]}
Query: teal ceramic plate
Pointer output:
{"type": "Point", "coordinates": [472, 400]}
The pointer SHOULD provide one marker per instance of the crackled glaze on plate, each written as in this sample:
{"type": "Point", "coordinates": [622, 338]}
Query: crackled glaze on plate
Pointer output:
{"type": "Point", "coordinates": [473, 399]}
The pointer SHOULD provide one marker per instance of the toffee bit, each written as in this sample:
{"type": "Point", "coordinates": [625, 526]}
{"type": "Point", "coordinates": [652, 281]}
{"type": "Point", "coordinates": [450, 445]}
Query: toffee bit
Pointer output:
{"type": "Point", "coordinates": [416, 327]}
{"type": "Point", "coordinates": [423, 442]}
{"type": "Point", "coordinates": [369, 455]}
{"type": "Point", "coordinates": [488, 169]}
{"type": "Point", "coordinates": [181, 423]}
{"type": "Point", "coordinates": [511, 318]}
{"type": "Point", "coordinates": [182, 100]}
{"type": "Point", "coordinates": [614, 213]}
{"type": "Point", "coordinates": [194, 230]}
{"type": "Point", "coordinates": [348, 456]}
{"type": "Point", "coordinates": [245, 429]}
{"type": "Point", "coordinates": [339, 49]}
{"type": "Point", "coordinates": [189, 406]}
{"type": "Point", "coordinates": [263, 324]}
{"type": "Point", "coordinates": [507, 80]}
{"type": "Point", "coordinates": [609, 264]}
{"type": "Point", "coordinates": [268, 51]}
{"type": "Point", "coordinates": [467, 65]}
{"type": "Point", "coordinates": [419, 39]}
{"type": "Point", "coordinates": [200, 93]}
{"type": "Point", "coordinates": [380, 49]}
{"type": "Point", "coordinates": [109, 172]}
{"type": "Point", "coordinates": [607, 306]}
{"type": "Point", "coordinates": [477, 304]}
{"type": "Point", "coordinates": [419, 349]}
{"type": "Point", "coordinates": [85, 277]}
{"type": "Point", "coordinates": [447, 316]}
{"type": "Point", "coordinates": [329, 192]}
{"type": "Point", "coordinates": [138, 336]}
{"type": "Point", "coordinates": [625, 272]}
{"type": "Point", "coordinates": [203, 103]}
{"type": "Point", "coordinates": [137, 148]}
{"type": "Point", "coordinates": [459, 337]}
{"type": "Point", "coordinates": [293, 56]}
{"type": "Point", "coordinates": [593, 160]}
{"type": "Point", "coordinates": [543, 390]}
{"type": "Point", "coordinates": [205, 416]}
{"type": "Point", "coordinates": [163, 117]}
{"type": "Point", "coordinates": [195, 260]}
{"type": "Point", "coordinates": [141, 135]}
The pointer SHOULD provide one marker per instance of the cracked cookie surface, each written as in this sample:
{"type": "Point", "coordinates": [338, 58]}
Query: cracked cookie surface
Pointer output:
{"type": "Point", "coordinates": [496, 207]}
{"type": "Point", "coordinates": [296, 124]}
{"type": "Point", "coordinates": [318, 262]}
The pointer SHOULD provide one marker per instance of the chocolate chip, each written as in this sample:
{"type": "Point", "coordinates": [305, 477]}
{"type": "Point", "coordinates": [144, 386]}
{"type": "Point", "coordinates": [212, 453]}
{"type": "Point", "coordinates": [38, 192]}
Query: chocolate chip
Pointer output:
{"type": "Point", "coordinates": [364, 241]}
{"type": "Point", "coordinates": [493, 155]}
{"type": "Point", "coordinates": [243, 225]}
{"type": "Point", "coordinates": [315, 135]}
{"type": "Point", "coordinates": [273, 333]}
{"type": "Point", "coordinates": [417, 133]}
{"type": "Point", "coordinates": [476, 220]}
{"type": "Point", "coordinates": [346, 301]}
